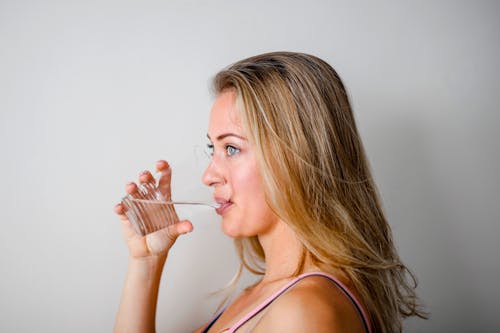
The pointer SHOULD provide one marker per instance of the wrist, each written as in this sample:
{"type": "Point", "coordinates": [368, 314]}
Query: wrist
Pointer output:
{"type": "Point", "coordinates": [147, 269]}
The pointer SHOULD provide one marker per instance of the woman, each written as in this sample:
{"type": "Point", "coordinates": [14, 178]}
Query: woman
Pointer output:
{"type": "Point", "coordinates": [295, 192]}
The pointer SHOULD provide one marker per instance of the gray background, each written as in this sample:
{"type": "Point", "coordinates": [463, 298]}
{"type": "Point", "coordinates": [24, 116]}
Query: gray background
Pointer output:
{"type": "Point", "coordinates": [92, 92]}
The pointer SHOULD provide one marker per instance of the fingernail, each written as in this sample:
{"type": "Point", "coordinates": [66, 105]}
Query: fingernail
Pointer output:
{"type": "Point", "coordinates": [163, 161]}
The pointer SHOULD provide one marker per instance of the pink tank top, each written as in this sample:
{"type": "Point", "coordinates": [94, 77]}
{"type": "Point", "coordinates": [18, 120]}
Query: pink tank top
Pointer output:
{"type": "Point", "coordinates": [359, 308]}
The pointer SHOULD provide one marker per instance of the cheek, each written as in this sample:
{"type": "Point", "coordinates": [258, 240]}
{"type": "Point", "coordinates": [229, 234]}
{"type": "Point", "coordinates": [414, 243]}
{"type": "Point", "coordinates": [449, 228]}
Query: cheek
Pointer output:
{"type": "Point", "coordinates": [247, 184]}
{"type": "Point", "coordinates": [249, 191]}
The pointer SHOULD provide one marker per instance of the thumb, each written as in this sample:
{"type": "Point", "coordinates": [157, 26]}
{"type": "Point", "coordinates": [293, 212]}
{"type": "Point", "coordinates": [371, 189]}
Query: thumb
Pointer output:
{"type": "Point", "coordinates": [162, 240]}
{"type": "Point", "coordinates": [184, 227]}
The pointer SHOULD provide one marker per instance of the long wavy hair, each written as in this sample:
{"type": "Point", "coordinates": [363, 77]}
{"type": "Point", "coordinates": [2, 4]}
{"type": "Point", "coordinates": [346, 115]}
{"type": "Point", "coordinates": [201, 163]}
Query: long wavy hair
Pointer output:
{"type": "Point", "coordinates": [297, 115]}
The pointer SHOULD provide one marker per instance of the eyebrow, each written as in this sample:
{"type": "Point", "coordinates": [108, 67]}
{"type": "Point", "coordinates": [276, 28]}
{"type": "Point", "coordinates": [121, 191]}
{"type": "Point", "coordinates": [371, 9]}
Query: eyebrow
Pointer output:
{"type": "Point", "coordinates": [225, 135]}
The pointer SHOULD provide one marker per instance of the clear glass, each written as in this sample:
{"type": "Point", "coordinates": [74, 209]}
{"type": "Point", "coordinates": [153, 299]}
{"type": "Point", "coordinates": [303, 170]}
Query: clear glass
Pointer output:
{"type": "Point", "coordinates": [149, 211]}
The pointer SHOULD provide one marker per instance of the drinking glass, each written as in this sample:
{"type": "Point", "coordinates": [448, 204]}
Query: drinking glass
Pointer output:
{"type": "Point", "coordinates": [149, 211]}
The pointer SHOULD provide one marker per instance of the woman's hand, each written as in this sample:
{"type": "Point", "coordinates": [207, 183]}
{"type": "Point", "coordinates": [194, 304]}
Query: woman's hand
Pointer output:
{"type": "Point", "coordinates": [157, 243]}
{"type": "Point", "coordinates": [147, 256]}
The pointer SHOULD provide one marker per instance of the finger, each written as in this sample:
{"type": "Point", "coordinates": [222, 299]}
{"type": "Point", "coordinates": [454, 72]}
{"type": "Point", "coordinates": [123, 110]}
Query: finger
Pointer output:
{"type": "Point", "coordinates": [161, 240]}
{"type": "Point", "coordinates": [161, 165]}
{"type": "Point", "coordinates": [146, 177]}
{"type": "Point", "coordinates": [183, 227]}
{"type": "Point", "coordinates": [166, 175]}
{"type": "Point", "coordinates": [119, 209]}
{"type": "Point", "coordinates": [135, 191]}
{"type": "Point", "coordinates": [131, 188]}
{"type": "Point", "coordinates": [173, 231]}
{"type": "Point", "coordinates": [128, 230]}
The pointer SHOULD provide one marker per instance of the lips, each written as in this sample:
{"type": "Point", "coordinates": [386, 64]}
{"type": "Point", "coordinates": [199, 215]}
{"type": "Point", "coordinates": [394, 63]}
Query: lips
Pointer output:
{"type": "Point", "coordinates": [224, 205]}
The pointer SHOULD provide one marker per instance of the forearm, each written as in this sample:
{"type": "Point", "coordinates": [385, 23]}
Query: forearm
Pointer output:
{"type": "Point", "coordinates": [137, 309]}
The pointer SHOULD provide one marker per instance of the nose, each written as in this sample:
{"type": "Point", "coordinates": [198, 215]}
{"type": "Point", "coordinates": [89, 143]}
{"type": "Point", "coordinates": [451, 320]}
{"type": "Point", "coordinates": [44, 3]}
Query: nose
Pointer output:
{"type": "Point", "coordinates": [213, 174]}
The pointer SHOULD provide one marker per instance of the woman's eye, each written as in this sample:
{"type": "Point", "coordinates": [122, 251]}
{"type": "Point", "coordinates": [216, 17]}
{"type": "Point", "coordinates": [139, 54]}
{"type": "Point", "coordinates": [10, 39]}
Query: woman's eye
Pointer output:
{"type": "Point", "coordinates": [231, 150]}
{"type": "Point", "coordinates": [210, 149]}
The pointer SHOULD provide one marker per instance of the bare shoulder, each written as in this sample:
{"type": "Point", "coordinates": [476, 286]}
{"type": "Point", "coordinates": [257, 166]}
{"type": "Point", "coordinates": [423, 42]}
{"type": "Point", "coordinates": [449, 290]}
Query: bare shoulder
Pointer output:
{"type": "Point", "coordinates": [314, 304]}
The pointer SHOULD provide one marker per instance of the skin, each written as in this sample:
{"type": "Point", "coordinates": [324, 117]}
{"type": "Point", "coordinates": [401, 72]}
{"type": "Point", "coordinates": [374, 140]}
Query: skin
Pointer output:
{"type": "Point", "coordinates": [314, 304]}
{"type": "Point", "coordinates": [147, 256]}
{"type": "Point", "coordinates": [233, 174]}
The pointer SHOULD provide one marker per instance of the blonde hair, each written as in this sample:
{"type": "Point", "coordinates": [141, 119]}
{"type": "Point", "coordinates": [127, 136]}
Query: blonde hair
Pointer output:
{"type": "Point", "coordinates": [316, 176]}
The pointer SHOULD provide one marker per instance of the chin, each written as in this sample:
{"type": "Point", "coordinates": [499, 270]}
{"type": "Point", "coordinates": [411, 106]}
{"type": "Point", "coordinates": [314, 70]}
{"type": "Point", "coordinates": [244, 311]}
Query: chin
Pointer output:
{"type": "Point", "coordinates": [231, 232]}
{"type": "Point", "coordinates": [233, 229]}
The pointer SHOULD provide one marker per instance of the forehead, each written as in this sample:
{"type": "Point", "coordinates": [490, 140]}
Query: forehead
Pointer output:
{"type": "Point", "coordinates": [224, 117]}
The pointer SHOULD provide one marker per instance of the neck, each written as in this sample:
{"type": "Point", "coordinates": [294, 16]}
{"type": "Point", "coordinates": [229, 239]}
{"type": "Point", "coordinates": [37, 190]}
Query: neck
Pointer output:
{"type": "Point", "coordinates": [283, 252]}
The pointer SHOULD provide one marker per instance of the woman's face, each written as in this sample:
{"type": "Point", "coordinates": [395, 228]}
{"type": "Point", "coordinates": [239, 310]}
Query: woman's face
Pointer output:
{"type": "Point", "coordinates": [233, 173]}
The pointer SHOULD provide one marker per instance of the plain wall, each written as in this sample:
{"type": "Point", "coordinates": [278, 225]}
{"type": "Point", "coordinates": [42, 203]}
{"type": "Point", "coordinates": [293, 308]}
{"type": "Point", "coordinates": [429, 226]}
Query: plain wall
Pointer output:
{"type": "Point", "coordinates": [92, 92]}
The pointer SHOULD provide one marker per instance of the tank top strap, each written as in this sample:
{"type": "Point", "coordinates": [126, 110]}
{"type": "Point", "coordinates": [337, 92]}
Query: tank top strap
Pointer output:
{"type": "Point", "coordinates": [212, 322]}
{"type": "Point", "coordinates": [357, 304]}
